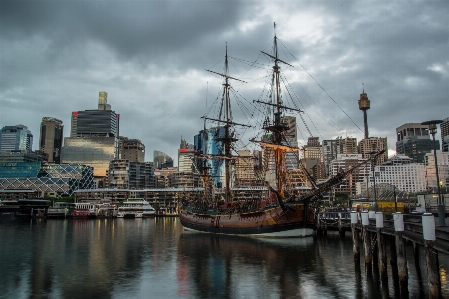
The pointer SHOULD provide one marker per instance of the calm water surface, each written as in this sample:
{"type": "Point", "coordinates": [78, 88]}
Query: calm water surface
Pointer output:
{"type": "Point", "coordinates": [155, 258]}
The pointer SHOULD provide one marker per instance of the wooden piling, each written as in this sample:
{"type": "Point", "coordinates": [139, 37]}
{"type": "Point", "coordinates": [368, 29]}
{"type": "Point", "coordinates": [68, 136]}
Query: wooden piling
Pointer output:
{"type": "Point", "coordinates": [394, 266]}
{"type": "Point", "coordinates": [367, 241]}
{"type": "Point", "coordinates": [433, 271]}
{"type": "Point", "coordinates": [401, 254]}
{"type": "Point", "coordinates": [355, 238]}
{"type": "Point", "coordinates": [382, 249]}
{"type": "Point", "coordinates": [416, 254]}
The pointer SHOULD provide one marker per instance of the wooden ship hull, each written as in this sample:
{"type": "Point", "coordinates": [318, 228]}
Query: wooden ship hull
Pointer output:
{"type": "Point", "coordinates": [293, 221]}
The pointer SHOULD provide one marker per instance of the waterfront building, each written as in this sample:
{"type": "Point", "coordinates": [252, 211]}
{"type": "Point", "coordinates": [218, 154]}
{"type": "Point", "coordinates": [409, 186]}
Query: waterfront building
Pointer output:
{"type": "Point", "coordinates": [51, 137]}
{"type": "Point", "coordinates": [332, 148]}
{"type": "Point", "coordinates": [60, 179]}
{"type": "Point", "coordinates": [16, 138]}
{"type": "Point", "coordinates": [131, 149]}
{"type": "Point", "coordinates": [93, 138]}
{"type": "Point", "coordinates": [345, 162]}
{"type": "Point", "coordinates": [443, 169]}
{"type": "Point", "coordinates": [126, 174]}
{"type": "Point", "coordinates": [373, 144]}
{"type": "Point", "coordinates": [413, 140]}
{"type": "Point", "coordinates": [444, 130]}
{"type": "Point", "coordinates": [400, 171]}
{"type": "Point", "coordinates": [162, 175]}
{"type": "Point", "coordinates": [184, 180]}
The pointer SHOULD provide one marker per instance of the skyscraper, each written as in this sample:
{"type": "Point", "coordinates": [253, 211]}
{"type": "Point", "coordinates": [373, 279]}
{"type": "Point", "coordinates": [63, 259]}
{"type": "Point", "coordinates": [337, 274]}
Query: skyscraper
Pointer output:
{"type": "Point", "coordinates": [185, 156]}
{"type": "Point", "coordinates": [14, 138]}
{"type": "Point", "coordinates": [50, 142]}
{"type": "Point", "coordinates": [413, 140]}
{"type": "Point", "coordinates": [207, 142]}
{"type": "Point", "coordinates": [373, 144]}
{"type": "Point", "coordinates": [93, 137]}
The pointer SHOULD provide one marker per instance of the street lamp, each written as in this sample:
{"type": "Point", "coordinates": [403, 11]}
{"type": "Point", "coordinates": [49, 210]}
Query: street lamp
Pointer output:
{"type": "Point", "coordinates": [373, 155]}
{"type": "Point", "coordinates": [441, 208]}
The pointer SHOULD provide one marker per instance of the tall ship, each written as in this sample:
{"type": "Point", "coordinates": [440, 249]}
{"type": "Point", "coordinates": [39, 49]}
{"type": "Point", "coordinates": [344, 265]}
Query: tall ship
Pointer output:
{"type": "Point", "coordinates": [276, 206]}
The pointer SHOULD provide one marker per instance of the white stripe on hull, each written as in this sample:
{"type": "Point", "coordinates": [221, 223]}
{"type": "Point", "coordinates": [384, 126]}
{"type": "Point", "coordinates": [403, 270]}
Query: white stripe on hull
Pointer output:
{"type": "Point", "coordinates": [292, 233]}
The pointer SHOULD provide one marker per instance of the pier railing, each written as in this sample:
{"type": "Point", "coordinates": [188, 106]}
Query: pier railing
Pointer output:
{"type": "Point", "coordinates": [371, 229]}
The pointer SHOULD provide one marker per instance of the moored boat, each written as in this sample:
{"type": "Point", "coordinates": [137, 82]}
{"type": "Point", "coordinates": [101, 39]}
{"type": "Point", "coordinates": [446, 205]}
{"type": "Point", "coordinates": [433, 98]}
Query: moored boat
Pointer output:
{"type": "Point", "coordinates": [135, 208]}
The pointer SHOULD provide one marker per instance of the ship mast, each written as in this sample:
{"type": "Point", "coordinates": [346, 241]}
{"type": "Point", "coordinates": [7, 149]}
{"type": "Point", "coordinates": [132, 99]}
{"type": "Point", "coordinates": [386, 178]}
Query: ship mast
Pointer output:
{"type": "Point", "coordinates": [228, 138]}
{"type": "Point", "coordinates": [277, 127]}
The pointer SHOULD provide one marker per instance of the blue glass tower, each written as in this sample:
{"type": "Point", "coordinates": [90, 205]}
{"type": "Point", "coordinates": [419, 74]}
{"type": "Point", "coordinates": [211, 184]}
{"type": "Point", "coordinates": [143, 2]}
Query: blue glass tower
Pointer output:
{"type": "Point", "coordinates": [207, 142]}
{"type": "Point", "coordinates": [16, 138]}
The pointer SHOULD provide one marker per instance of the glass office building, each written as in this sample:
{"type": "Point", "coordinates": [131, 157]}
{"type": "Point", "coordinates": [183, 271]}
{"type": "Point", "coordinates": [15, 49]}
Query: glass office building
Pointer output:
{"type": "Point", "coordinates": [90, 150]}
{"type": "Point", "coordinates": [93, 138]}
{"type": "Point", "coordinates": [208, 142]}
{"type": "Point", "coordinates": [16, 138]}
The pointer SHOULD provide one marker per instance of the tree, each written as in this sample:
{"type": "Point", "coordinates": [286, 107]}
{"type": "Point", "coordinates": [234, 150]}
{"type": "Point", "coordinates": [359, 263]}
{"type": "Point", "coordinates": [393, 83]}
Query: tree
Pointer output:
{"type": "Point", "coordinates": [341, 199]}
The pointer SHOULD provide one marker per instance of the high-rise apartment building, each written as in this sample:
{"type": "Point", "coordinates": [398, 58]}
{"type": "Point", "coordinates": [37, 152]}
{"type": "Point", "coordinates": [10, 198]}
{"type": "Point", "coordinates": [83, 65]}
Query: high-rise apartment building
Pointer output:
{"type": "Point", "coordinates": [16, 138]}
{"type": "Point", "coordinates": [332, 148]}
{"type": "Point", "coordinates": [312, 158]}
{"type": "Point", "coordinates": [344, 162]}
{"type": "Point", "coordinates": [368, 146]}
{"type": "Point", "coordinates": [186, 157]}
{"type": "Point", "coordinates": [126, 174]}
{"type": "Point", "coordinates": [313, 149]}
{"type": "Point", "coordinates": [131, 149]}
{"type": "Point", "coordinates": [50, 142]}
{"type": "Point", "coordinates": [444, 128]}
{"type": "Point", "coordinates": [413, 140]}
{"type": "Point", "coordinates": [93, 137]}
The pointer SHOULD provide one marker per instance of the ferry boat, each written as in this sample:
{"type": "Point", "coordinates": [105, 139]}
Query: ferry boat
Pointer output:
{"type": "Point", "coordinates": [135, 208]}
{"type": "Point", "coordinates": [84, 210]}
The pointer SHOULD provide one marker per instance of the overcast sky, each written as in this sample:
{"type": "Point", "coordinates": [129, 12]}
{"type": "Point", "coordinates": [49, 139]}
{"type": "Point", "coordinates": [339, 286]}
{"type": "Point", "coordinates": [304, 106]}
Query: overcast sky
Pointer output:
{"type": "Point", "coordinates": [150, 57]}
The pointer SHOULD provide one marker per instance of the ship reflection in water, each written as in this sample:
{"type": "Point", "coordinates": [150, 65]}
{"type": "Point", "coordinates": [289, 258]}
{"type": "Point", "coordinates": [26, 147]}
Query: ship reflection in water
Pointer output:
{"type": "Point", "coordinates": [155, 258]}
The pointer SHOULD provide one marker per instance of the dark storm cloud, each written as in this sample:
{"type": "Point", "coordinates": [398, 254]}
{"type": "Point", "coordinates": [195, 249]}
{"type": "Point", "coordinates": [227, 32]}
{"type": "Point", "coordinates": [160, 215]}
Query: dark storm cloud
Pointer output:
{"type": "Point", "coordinates": [151, 56]}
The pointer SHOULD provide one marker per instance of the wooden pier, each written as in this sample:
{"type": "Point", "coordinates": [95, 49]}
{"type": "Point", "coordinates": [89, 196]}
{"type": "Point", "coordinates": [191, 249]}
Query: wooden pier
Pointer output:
{"type": "Point", "coordinates": [373, 228]}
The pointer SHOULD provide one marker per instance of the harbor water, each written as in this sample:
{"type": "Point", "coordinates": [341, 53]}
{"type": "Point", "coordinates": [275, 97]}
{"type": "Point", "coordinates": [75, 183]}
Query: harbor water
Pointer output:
{"type": "Point", "coordinates": [156, 258]}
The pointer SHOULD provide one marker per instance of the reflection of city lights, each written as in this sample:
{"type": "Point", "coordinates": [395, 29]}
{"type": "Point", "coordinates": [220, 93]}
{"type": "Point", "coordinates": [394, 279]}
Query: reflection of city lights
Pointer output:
{"type": "Point", "coordinates": [443, 275]}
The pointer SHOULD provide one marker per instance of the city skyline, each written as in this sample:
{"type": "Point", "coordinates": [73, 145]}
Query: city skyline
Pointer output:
{"type": "Point", "coordinates": [150, 57]}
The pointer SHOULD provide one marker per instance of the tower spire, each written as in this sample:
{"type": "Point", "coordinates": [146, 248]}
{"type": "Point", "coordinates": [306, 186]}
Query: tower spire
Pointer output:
{"type": "Point", "coordinates": [364, 104]}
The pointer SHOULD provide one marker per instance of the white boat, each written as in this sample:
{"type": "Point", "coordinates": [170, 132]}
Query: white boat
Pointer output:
{"type": "Point", "coordinates": [135, 208]}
